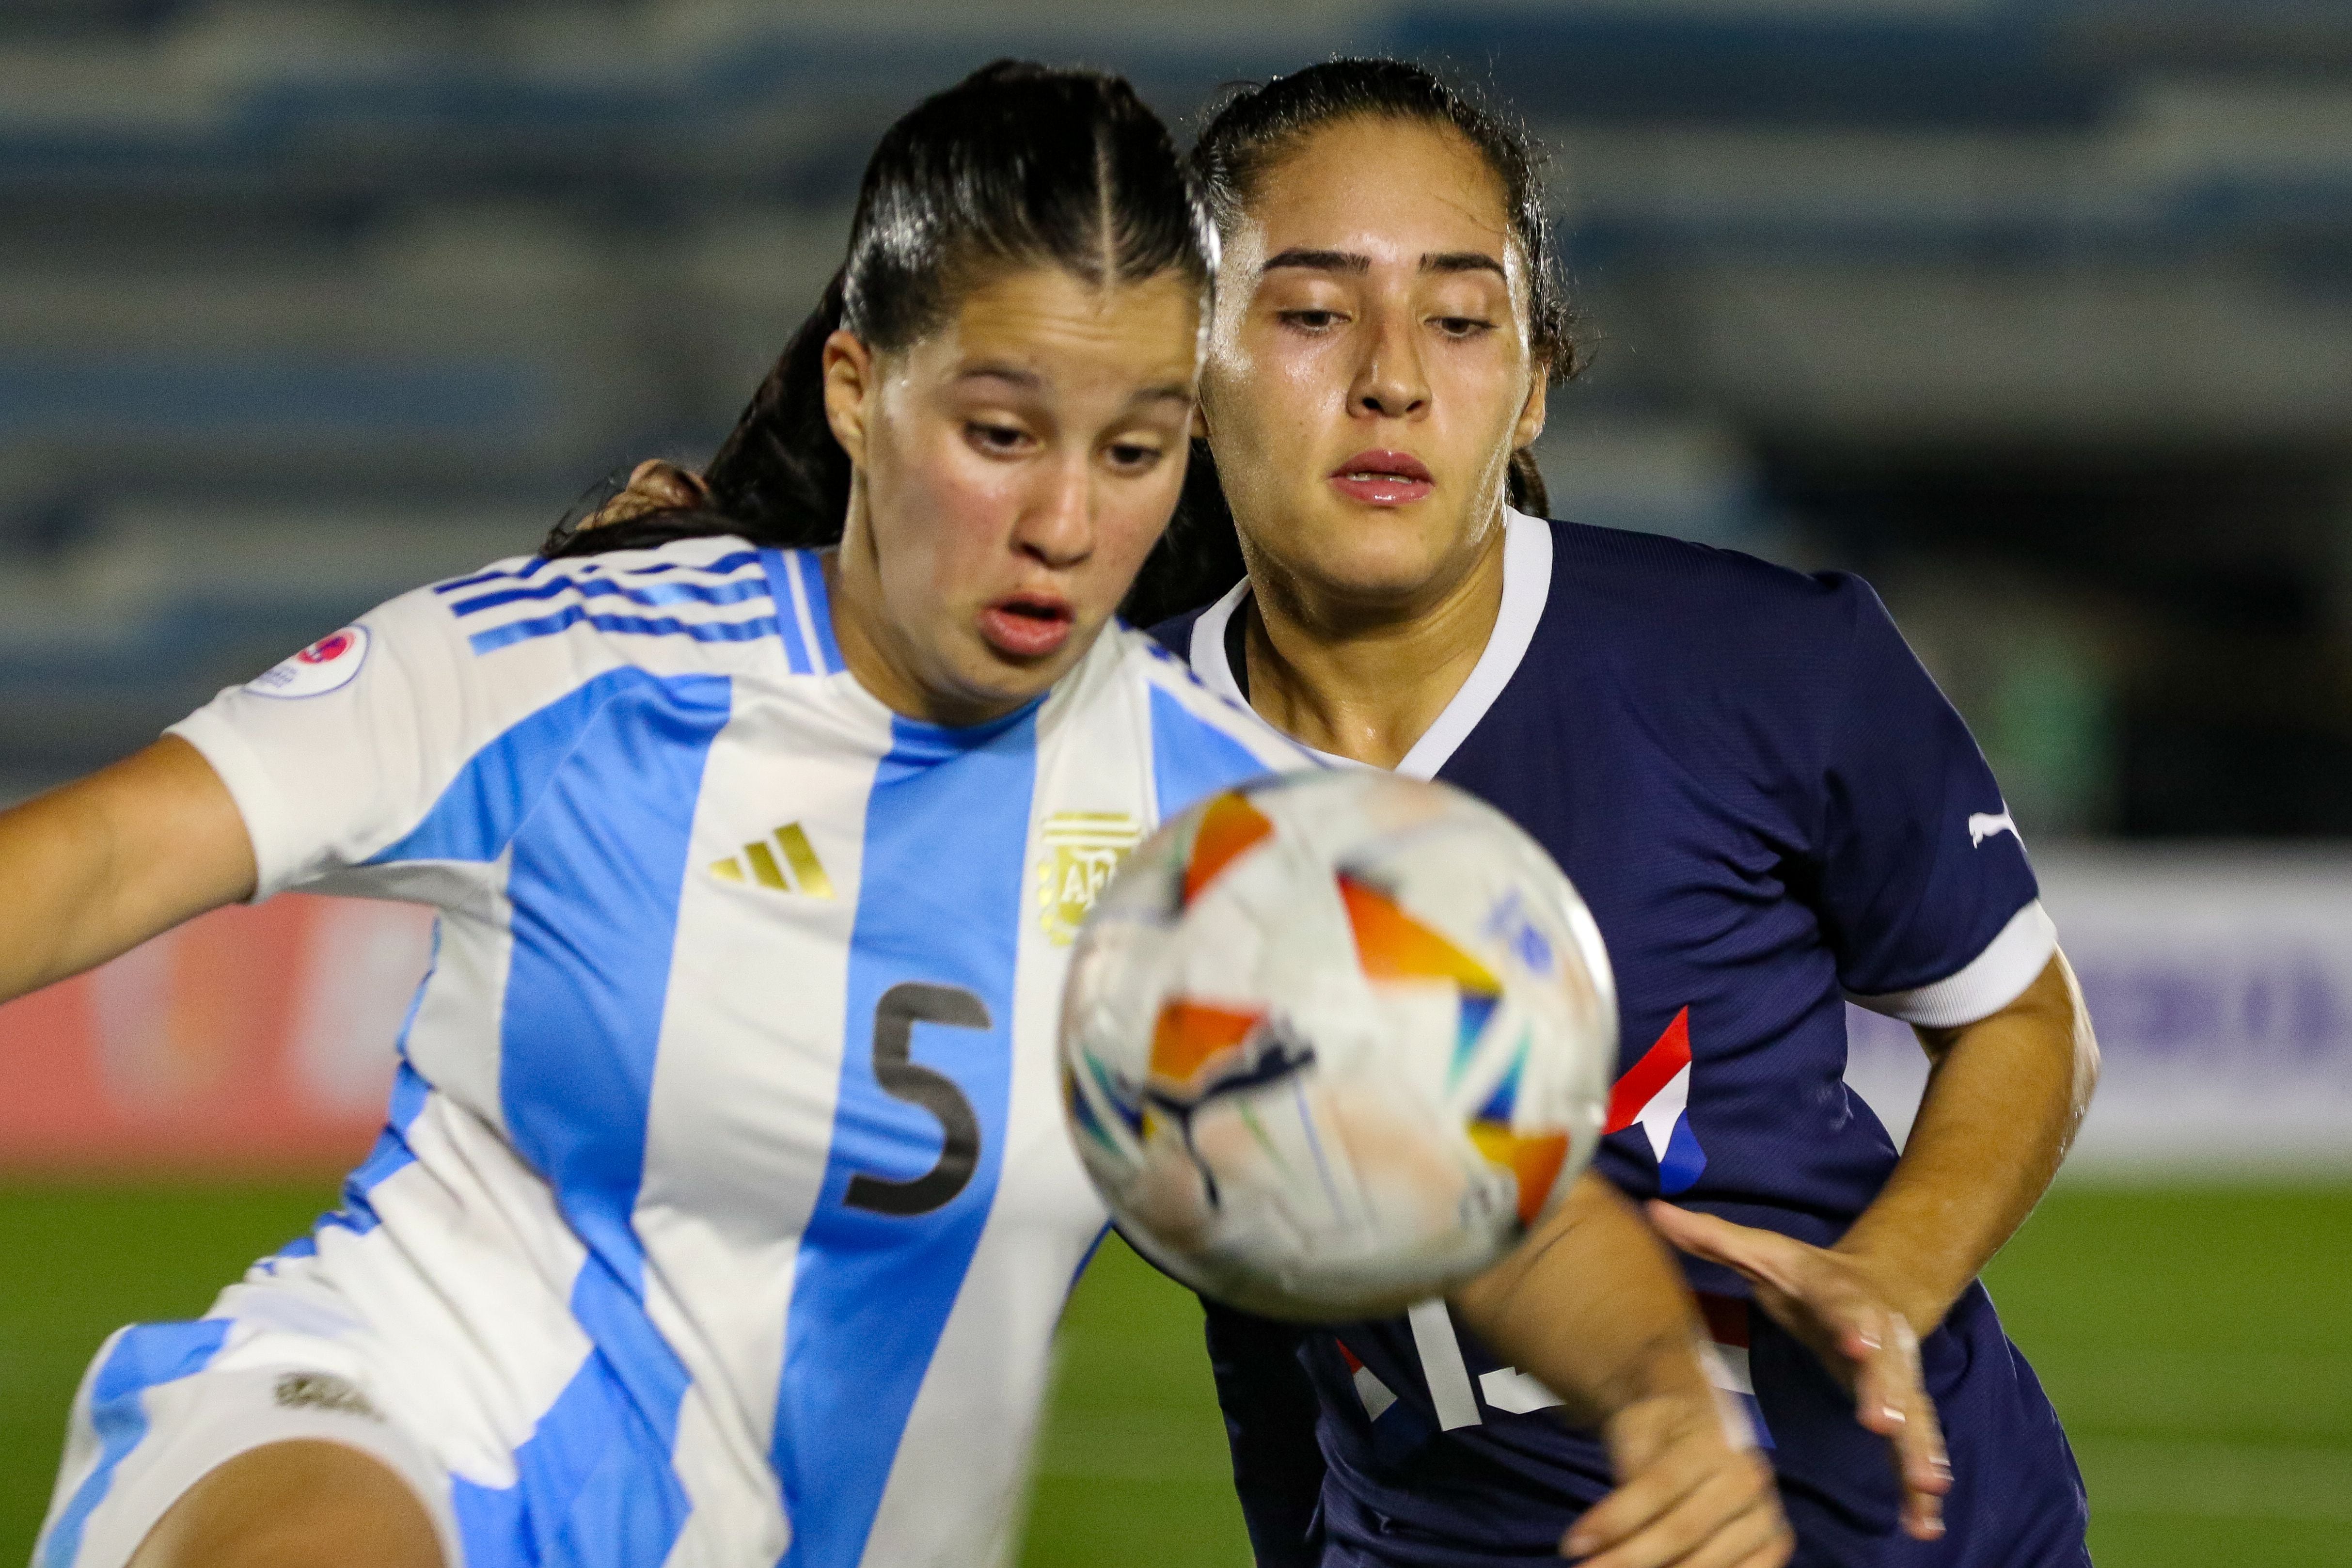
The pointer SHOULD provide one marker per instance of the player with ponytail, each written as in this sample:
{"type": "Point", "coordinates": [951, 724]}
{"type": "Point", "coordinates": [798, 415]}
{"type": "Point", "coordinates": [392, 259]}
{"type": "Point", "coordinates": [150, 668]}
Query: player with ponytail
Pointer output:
{"type": "Point", "coordinates": [656, 1262]}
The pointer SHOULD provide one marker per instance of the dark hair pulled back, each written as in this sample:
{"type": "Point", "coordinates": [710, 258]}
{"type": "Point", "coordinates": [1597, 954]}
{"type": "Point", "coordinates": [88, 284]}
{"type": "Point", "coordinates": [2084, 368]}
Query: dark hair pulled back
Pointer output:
{"type": "Point", "coordinates": [1252, 128]}
{"type": "Point", "coordinates": [1018, 164]}
{"type": "Point", "coordinates": [1249, 131]}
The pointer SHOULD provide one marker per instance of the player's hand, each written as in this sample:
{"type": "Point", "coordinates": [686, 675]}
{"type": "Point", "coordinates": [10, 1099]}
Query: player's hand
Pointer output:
{"type": "Point", "coordinates": [1686, 1494]}
{"type": "Point", "coordinates": [653, 486]}
{"type": "Point", "coordinates": [1832, 1305]}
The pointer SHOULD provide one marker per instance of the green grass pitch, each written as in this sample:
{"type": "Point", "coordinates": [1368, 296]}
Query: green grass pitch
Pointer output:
{"type": "Point", "coordinates": [2198, 1341]}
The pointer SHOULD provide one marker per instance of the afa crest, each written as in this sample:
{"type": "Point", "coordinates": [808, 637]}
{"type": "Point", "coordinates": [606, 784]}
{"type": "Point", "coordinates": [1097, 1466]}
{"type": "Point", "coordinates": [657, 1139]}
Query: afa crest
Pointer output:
{"type": "Point", "coordinates": [1082, 848]}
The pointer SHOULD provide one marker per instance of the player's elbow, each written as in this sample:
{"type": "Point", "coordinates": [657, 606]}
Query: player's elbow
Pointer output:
{"type": "Point", "coordinates": [2082, 1042]}
{"type": "Point", "coordinates": [2055, 1025]}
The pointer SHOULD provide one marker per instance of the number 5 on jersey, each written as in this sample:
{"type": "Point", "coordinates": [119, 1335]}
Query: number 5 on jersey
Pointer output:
{"type": "Point", "coordinates": [902, 1078]}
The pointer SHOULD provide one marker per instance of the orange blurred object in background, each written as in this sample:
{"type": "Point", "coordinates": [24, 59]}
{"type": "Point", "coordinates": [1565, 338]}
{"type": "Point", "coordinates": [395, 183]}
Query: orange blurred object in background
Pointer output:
{"type": "Point", "coordinates": [255, 1039]}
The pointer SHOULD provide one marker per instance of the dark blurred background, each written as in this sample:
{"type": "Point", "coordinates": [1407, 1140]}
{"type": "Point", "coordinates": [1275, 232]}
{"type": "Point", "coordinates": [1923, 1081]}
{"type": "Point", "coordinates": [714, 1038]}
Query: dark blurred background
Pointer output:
{"type": "Point", "coordinates": [2037, 312]}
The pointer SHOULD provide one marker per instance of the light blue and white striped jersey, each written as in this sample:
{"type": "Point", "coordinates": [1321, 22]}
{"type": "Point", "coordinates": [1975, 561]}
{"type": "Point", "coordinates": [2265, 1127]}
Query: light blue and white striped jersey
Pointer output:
{"type": "Point", "coordinates": [727, 1208]}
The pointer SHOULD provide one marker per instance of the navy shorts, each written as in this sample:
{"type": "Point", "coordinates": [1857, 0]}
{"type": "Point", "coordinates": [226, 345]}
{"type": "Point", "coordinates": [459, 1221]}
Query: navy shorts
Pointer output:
{"type": "Point", "coordinates": [2017, 1498]}
{"type": "Point", "coordinates": [1487, 1496]}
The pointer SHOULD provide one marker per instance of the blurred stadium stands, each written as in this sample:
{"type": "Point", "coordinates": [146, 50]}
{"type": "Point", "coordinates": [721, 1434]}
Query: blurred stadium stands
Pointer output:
{"type": "Point", "coordinates": [2039, 311]}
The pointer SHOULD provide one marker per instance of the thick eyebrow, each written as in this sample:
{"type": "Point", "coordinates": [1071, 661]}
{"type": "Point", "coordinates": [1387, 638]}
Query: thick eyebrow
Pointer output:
{"type": "Point", "coordinates": [1319, 261]}
{"type": "Point", "coordinates": [1463, 261]}
{"type": "Point", "coordinates": [1350, 261]}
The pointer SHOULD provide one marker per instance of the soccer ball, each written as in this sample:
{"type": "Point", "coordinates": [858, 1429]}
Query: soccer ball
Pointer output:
{"type": "Point", "coordinates": [1334, 1042]}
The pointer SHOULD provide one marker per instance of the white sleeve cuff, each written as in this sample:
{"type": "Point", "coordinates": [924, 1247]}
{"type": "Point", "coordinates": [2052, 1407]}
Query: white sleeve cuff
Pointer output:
{"type": "Point", "coordinates": [1989, 982]}
{"type": "Point", "coordinates": [253, 790]}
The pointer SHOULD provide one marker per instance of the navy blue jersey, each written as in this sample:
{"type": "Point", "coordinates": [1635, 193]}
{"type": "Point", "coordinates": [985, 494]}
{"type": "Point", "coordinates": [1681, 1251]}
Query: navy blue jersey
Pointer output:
{"type": "Point", "coordinates": [1772, 810]}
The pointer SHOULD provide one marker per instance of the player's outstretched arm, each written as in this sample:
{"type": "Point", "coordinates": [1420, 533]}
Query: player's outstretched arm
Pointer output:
{"type": "Point", "coordinates": [1592, 1307]}
{"type": "Point", "coordinates": [97, 867]}
{"type": "Point", "coordinates": [2004, 1097]}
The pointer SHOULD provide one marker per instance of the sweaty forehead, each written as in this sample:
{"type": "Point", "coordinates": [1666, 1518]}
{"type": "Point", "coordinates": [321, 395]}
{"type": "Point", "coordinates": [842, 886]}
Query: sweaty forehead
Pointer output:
{"type": "Point", "coordinates": [1387, 188]}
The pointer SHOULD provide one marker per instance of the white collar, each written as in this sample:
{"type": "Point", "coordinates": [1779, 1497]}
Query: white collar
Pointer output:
{"type": "Point", "coordinates": [1527, 587]}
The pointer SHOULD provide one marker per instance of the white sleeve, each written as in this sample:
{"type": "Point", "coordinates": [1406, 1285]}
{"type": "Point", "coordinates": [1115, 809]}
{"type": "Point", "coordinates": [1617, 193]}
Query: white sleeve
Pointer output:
{"type": "Point", "coordinates": [335, 754]}
{"type": "Point", "coordinates": [1988, 983]}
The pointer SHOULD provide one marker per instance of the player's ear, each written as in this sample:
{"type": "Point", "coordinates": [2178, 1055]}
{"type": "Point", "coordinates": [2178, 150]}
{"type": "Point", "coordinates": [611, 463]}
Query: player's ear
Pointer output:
{"type": "Point", "coordinates": [850, 386]}
{"type": "Point", "coordinates": [1531, 413]}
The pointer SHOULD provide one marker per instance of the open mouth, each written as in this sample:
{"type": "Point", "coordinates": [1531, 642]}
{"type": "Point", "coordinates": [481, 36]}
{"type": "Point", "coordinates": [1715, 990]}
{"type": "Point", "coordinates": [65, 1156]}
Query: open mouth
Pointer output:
{"type": "Point", "coordinates": [1383, 478]}
{"type": "Point", "coordinates": [1027, 625]}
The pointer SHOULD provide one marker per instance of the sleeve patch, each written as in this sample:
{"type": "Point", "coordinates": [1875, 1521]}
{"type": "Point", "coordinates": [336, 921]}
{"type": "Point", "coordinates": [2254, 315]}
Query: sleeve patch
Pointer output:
{"type": "Point", "coordinates": [328, 665]}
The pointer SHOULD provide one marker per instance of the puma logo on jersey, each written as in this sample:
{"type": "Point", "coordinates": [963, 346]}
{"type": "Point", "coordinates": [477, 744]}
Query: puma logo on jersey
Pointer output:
{"type": "Point", "coordinates": [807, 872]}
{"type": "Point", "coordinates": [1985, 824]}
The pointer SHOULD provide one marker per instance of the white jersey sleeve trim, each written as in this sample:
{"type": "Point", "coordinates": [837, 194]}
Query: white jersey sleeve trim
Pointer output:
{"type": "Point", "coordinates": [276, 859]}
{"type": "Point", "coordinates": [1988, 983]}
{"type": "Point", "coordinates": [1527, 589]}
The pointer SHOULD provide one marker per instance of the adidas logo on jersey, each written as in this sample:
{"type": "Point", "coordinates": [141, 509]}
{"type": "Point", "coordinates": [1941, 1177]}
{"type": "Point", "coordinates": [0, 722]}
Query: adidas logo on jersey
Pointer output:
{"type": "Point", "coordinates": [758, 863]}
